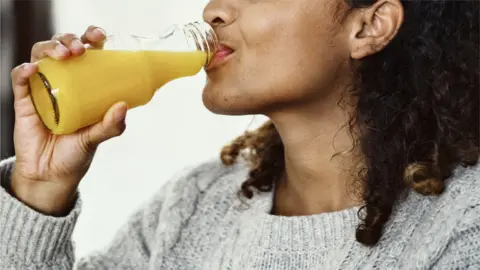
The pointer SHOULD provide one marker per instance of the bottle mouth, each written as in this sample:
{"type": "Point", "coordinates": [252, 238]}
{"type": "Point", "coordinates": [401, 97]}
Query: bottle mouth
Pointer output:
{"type": "Point", "coordinates": [205, 38]}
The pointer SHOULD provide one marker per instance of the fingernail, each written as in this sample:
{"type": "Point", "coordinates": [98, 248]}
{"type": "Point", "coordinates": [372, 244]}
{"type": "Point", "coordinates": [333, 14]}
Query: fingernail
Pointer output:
{"type": "Point", "coordinates": [99, 32]}
{"type": "Point", "coordinates": [77, 45]}
{"type": "Point", "coordinates": [61, 50]}
{"type": "Point", "coordinates": [120, 115]}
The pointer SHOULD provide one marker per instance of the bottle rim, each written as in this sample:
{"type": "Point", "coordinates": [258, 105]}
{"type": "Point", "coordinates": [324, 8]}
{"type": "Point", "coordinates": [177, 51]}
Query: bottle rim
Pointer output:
{"type": "Point", "coordinates": [205, 38]}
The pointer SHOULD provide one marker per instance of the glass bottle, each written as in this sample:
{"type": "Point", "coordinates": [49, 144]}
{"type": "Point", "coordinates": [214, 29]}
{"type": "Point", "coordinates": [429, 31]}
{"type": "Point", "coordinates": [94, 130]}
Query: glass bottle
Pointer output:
{"type": "Point", "coordinates": [74, 93]}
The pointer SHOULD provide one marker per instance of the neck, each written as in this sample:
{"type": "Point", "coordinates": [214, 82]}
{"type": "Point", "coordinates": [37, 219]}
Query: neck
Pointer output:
{"type": "Point", "coordinates": [319, 159]}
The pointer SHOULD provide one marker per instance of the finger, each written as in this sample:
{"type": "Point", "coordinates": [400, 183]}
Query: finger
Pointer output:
{"type": "Point", "coordinates": [94, 36]}
{"type": "Point", "coordinates": [20, 76]}
{"type": "Point", "coordinates": [72, 42]}
{"type": "Point", "coordinates": [112, 125]}
{"type": "Point", "coordinates": [52, 48]}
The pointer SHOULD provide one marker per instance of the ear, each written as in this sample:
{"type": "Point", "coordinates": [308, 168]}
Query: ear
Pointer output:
{"type": "Point", "coordinates": [373, 28]}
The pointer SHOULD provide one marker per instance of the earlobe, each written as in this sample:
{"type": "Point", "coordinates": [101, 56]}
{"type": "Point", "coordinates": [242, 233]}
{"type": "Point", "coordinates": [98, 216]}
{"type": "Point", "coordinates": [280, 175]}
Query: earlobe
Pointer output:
{"type": "Point", "coordinates": [374, 27]}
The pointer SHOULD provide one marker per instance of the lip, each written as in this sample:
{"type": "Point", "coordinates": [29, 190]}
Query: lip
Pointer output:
{"type": "Point", "coordinates": [222, 54]}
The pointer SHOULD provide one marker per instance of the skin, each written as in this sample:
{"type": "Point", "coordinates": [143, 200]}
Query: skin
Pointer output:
{"type": "Point", "coordinates": [48, 167]}
{"type": "Point", "coordinates": [292, 61]}
{"type": "Point", "coordinates": [292, 65]}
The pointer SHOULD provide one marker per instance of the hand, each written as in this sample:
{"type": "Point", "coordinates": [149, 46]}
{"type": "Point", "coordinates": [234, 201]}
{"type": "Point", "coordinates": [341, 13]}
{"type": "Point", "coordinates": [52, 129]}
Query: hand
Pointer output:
{"type": "Point", "coordinates": [49, 167]}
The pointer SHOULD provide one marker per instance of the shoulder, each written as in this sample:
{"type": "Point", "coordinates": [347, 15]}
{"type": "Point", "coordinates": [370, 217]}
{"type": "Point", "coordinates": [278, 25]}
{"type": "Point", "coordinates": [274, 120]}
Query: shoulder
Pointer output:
{"type": "Point", "coordinates": [462, 199]}
{"type": "Point", "coordinates": [444, 230]}
{"type": "Point", "coordinates": [438, 230]}
{"type": "Point", "coordinates": [459, 205]}
{"type": "Point", "coordinates": [463, 190]}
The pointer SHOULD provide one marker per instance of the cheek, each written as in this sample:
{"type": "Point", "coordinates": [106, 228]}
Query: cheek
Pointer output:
{"type": "Point", "coordinates": [265, 31]}
{"type": "Point", "coordinates": [227, 90]}
{"type": "Point", "coordinates": [284, 60]}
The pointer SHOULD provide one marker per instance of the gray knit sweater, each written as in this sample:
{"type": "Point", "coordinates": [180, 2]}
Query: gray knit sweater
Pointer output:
{"type": "Point", "coordinates": [196, 221]}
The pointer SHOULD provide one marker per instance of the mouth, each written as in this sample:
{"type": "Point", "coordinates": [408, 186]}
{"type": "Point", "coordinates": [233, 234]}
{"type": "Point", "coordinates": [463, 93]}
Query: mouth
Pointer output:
{"type": "Point", "coordinates": [221, 56]}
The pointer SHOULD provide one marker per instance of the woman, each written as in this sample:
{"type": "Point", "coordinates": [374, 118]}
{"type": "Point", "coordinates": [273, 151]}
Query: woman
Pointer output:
{"type": "Point", "coordinates": [368, 160]}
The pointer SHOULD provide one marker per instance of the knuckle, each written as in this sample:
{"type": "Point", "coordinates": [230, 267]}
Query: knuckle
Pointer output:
{"type": "Point", "coordinates": [15, 71]}
{"type": "Point", "coordinates": [57, 36]}
{"type": "Point", "coordinates": [69, 36]}
{"type": "Point", "coordinates": [36, 46]}
{"type": "Point", "coordinates": [42, 46]}
{"type": "Point", "coordinates": [64, 37]}
{"type": "Point", "coordinates": [92, 27]}
{"type": "Point", "coordinates": [13, 74]}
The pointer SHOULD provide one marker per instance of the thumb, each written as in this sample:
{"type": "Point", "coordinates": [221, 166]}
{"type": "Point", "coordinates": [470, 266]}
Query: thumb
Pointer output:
{"type": "Point", "coordinates": [112, 125]}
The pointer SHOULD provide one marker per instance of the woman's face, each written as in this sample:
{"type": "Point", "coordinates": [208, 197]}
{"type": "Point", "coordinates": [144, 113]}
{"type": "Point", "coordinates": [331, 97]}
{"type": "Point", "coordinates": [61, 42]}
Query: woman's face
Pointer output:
{"type": "Point", "coordinates": [285, 53]}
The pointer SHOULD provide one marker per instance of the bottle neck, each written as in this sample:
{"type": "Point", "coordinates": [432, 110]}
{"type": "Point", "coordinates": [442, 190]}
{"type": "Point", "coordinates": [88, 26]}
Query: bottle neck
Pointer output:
{"type": "Point", "coordinates": [203, 37]}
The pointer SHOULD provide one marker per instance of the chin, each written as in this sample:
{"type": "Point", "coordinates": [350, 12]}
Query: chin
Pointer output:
{"type": "Point", "coordinates": [223, 107]}
{"type": "Point", "coordinates": [226, 103]}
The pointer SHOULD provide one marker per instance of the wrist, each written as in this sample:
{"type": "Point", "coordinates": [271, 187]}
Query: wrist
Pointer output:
{"type": "Point", "coordinates": [46, 197]}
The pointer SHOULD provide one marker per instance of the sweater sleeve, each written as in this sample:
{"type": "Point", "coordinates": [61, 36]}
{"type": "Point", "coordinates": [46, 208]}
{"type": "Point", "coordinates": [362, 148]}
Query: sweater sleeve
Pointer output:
{"type": "Point", "coordinates": [31, 240]}
{"type": "Point", "coordinates": [463, 250]}
{"type": "Point", "coordinates": [132, 244]}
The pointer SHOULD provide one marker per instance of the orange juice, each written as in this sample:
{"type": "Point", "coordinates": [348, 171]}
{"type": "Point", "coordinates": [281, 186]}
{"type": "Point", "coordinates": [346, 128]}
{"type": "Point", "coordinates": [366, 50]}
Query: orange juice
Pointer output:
{"type": "Point", "coordinates": [75, 93]}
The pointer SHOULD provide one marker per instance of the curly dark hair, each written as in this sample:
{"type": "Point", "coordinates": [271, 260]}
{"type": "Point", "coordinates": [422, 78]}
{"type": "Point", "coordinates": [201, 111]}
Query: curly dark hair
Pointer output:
{"type": "Point", "coordinates": [417, 112]}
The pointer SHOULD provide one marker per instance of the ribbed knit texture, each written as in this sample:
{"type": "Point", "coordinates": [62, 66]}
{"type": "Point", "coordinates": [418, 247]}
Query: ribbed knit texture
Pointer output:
{"type": "Point", "coordinates": [198, 221]}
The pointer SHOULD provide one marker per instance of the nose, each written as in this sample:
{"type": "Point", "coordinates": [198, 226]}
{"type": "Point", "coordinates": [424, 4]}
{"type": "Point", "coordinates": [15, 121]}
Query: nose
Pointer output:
{"type": "Point", "coordinates": [219, 13]}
